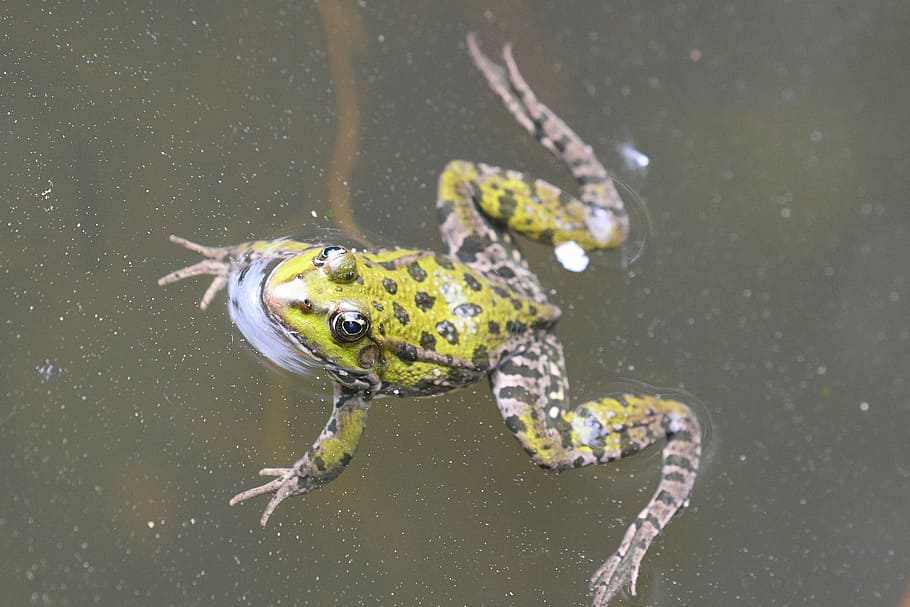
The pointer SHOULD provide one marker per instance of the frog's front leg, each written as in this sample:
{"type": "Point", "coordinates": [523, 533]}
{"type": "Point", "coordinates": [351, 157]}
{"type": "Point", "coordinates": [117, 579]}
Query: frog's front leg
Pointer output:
{"type": "Point", "coordinates": [324, 461]}
{"type": "Point", "coordinates": [217, 263]}
{"type": "Point", "coordinates": [530, 391]}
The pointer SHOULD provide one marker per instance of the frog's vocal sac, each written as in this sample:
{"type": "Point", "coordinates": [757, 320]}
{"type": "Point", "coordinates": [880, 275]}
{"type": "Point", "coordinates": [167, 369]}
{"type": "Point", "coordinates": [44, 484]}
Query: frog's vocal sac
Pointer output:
{"type": "Point", "coordinates": [416, 323]}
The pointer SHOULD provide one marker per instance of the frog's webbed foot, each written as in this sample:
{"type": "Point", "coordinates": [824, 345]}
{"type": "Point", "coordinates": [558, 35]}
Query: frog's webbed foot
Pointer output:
{"type": "Point", "coordinates": [217, 264]}
{"type": "Point", "coordinates": [620, 569]}
{"type": "Point", "coordinates": [288, 483]}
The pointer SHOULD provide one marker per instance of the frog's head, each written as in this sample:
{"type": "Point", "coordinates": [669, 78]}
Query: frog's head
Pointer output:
{"type": "Point", "coordinates": [314, 296]}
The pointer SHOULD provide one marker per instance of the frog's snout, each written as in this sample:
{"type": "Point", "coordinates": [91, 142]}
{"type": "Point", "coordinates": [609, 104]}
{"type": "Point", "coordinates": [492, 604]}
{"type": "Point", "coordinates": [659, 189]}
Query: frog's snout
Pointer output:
{"type": "Point", "coordinates": [288, 295]}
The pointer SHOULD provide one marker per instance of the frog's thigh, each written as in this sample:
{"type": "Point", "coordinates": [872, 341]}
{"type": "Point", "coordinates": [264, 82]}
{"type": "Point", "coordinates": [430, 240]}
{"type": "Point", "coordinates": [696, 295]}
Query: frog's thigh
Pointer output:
{"type": "Point", "coordinates": [472, 237]}
{"type": "Point", "coordinates": [530, 389]}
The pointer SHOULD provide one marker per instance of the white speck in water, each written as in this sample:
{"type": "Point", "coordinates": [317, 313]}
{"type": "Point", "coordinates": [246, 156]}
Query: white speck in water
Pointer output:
{"type": "Point", "coordinates": [150, 524]}
{"type": "Point", "coordinates": [634, 159]}
{"type": "Point", "coordinates": [47, 371]}
{"type": "Point", "coordinates": [554, 412]}
{"type": "Point", "coordinates": [314, 214]}
{"type": "Point", "coordinates": [572, 256]}
{"type": "Point", "coordinates": [864, 406]}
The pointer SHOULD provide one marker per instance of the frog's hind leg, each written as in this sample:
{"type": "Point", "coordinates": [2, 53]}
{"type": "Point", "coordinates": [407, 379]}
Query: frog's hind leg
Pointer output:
{"type": "Point", "coordinates": [472, 238]}
{"type": "Point", "coordinates": [603, 213]}
{"type": "Point", "coordinates": [530, 391]}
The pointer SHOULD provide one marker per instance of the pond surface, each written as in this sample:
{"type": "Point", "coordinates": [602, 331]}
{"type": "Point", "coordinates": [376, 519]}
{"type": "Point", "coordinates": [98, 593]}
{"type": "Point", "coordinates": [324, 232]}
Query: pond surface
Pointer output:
{"type": "Point", "coordinates": [774, 287]}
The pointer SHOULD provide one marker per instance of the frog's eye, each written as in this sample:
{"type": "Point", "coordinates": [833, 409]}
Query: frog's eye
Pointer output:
{"type": "Point", "coordinates": [338, 263]}
{"type": "Point", "coordinates": [348, 326]}
{"type": "Point", "coordinates": [327, 253]}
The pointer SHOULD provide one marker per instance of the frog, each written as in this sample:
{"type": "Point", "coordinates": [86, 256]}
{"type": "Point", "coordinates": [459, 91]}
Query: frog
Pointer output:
{"type": "Point", "coordinates": [415, 323]}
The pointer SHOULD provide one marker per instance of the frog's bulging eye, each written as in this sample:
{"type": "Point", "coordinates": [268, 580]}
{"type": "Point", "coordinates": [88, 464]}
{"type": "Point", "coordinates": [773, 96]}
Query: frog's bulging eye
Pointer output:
{"type": "Point", "coordinates": [348, 326]}
{"type": "Point", "coordinates": [338, 263]}
{"type": "Point", "coordinates": [327, 253]}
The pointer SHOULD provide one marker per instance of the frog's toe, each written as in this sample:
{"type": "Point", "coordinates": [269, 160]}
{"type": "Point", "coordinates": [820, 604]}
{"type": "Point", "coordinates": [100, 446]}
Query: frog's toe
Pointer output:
{"type": "Point", "coordinates": [216, 263]}
{"type": "Point", "coordinates": [619, 570]}
{"type": "Point", "coordinates": [210, 252]}
{"type": "Point", "coordinates": [288, 482]}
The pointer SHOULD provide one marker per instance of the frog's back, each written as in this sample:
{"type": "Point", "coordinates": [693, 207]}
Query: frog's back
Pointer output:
{"type": "Point", "coordinates": [442, 323]}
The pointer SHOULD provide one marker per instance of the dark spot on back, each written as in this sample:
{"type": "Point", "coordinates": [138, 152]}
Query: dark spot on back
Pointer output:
{"type": "Point", "coordinates": [427, 341]}
{"type": "Point", "coordinates": [467, 310]}
{"type": "Point", "coordinates": [390, 285]}
{"type": "Point", "coordinates": [424, 301]}
{"type": "Point", "coordinates": [416, 272]}
{"type": "Point", "coordinates": [400, 313]}
{"type": "Point", "coordinates": [472, 282]}
{"type": "Point", "coordinates": [448, 331]}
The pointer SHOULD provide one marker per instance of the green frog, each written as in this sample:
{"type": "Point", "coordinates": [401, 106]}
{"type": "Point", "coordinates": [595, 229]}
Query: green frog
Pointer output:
{"type": "Point", "coordinates": [406, 322]}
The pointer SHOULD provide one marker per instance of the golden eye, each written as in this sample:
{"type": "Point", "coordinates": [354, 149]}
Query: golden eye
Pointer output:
{"type": "Point", "coordinates": [348, 326]}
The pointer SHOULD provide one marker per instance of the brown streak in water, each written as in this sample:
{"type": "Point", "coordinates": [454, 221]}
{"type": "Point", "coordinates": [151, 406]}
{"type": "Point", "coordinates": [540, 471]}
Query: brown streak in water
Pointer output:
{"type": "Point", "coordinates": [343, 34]}
{"type": "Point", "coordinates": [905, 600]}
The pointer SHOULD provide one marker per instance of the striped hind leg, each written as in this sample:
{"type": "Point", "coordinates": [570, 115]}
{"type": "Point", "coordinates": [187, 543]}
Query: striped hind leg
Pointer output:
{"type": "Point", "coordinates": [606, 215]}
{"type": "Point", "coordinates": [531, 392]}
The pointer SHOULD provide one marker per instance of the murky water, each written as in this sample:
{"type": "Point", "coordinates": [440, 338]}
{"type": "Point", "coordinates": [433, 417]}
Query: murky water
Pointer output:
{"type": "Point", "coordinates": [775, 287]}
